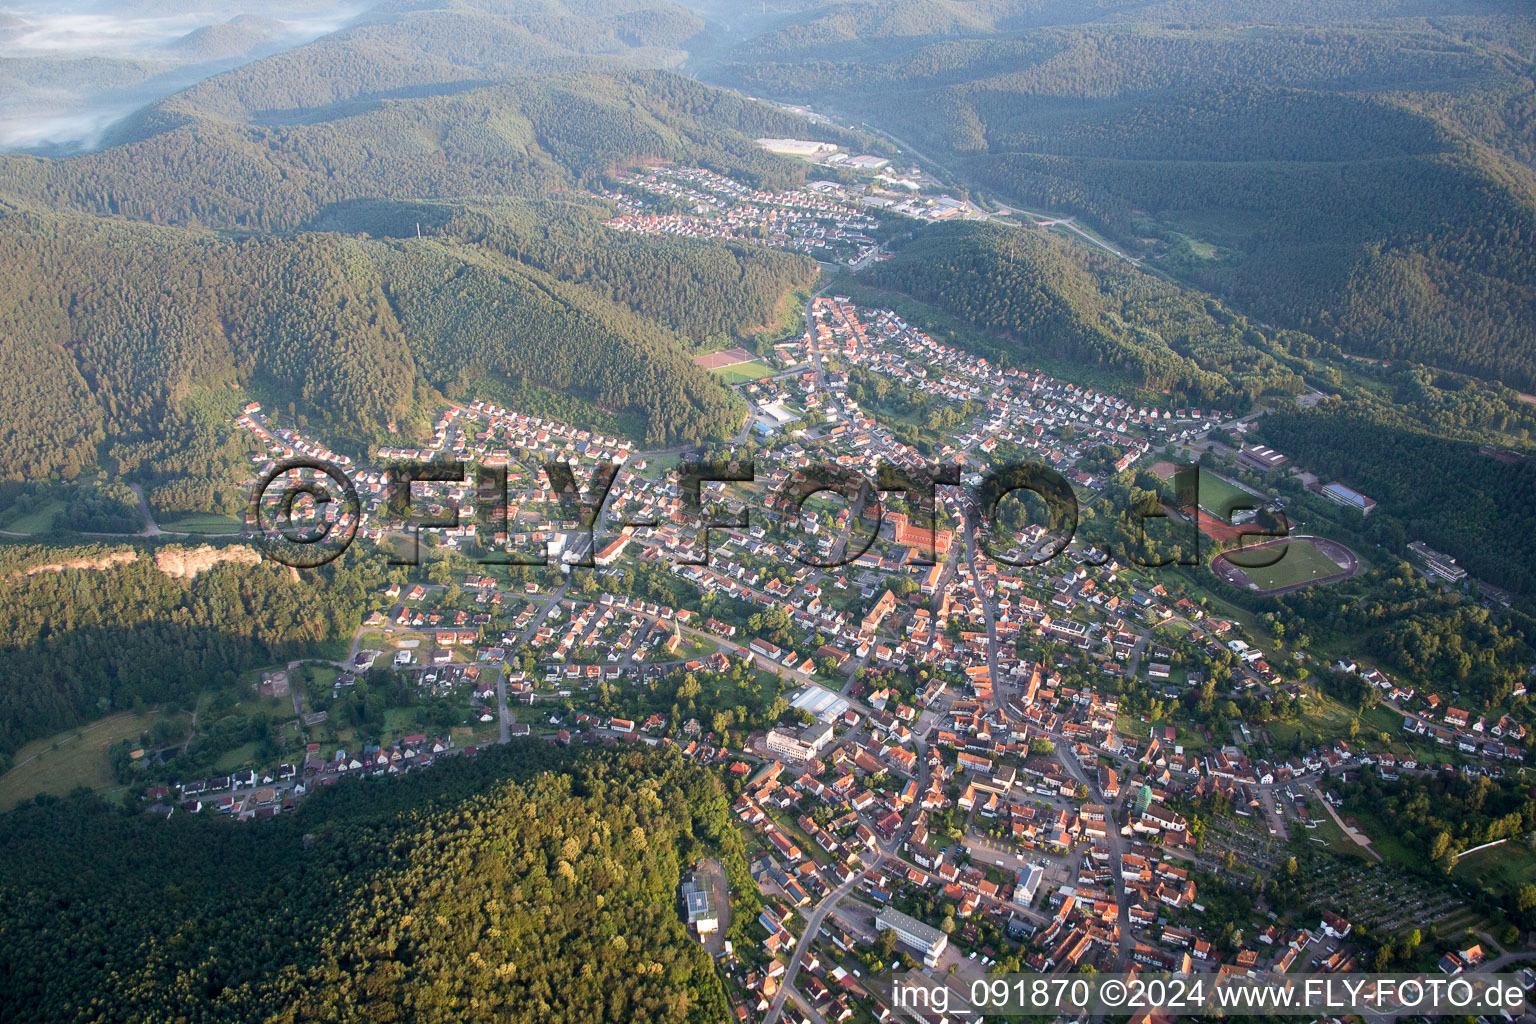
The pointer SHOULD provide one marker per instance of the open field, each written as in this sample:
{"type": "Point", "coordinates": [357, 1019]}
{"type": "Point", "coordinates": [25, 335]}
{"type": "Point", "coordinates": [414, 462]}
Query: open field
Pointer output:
{"type": "Point", "coordinates": [1335, 839]}
{"type": "Point", "coordinates": [39, 520]}
{"type": "Point", "coordinates": [740, 373]}
{"type": "Point", "coordinates": [57, 764]}
{"type": "Point", "coordinates": [1221, 497]}
{"type": "Point", "coordinates": [1204, 250]}
{"type": "Point", "coordinates": [1384, 838]}
{"type": "Point", "coordinates": [198, 522]}
{"type": "Point", "coordinates": [1322, 721]}
{"type": "Point", "coordinates": [1304, 562]}
{"type": "Point", "coordinates": [1503, 868]}
{"type": "Point", "coordinates": [1186, 734]}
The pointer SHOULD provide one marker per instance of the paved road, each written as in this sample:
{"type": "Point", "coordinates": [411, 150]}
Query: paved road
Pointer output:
{"type": "Point", "coordinates": [503, 716]}
{"type": "Point", "coordinates": [1116, 849]}
{"type": "Point", "coordinates": [830, 901]}
{"type": "Point", "coordinates": [803, 944]}
{"type": "Point", "coordinates": [813, 347]}
{"type": "Point", "coordinates": [151, 528]}
{"type": "Point", "coordinates": [986, 611]}
{"type": "Point", "coordinates": [1043, 220]}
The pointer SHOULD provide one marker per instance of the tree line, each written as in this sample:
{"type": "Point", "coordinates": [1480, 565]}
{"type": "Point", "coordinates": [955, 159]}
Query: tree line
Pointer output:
{"type": "Point", "coordinates": [522, 884]}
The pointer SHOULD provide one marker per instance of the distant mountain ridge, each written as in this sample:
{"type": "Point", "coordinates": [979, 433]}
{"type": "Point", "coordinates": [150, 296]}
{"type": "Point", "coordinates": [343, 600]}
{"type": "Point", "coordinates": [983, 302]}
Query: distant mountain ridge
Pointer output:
{"type": "Point", "coordinates": [1351, 168]}
{"type": "Point", "coordinates": [220, 220]}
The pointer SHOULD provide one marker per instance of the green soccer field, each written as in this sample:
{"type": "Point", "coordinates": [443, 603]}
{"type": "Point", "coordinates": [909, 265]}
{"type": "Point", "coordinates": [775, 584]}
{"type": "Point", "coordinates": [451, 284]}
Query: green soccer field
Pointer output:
{"type": "Point", "coordinates": [742, 372]}
{"type": "Point", "coordinates": [1301, 563]}
{"type": "Point", "coordinates": [1220, 498]}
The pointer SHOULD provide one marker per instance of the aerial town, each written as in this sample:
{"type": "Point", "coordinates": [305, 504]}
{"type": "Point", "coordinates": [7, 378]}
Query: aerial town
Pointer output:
{"type": "Point", "coordinates": [962, 761]}
{"type": "Point", "coordinates": [769, 512]}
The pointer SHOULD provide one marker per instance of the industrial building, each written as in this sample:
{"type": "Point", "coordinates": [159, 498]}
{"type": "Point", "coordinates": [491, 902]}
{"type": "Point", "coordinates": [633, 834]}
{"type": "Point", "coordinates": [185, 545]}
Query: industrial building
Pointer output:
{"type": "Point", "coordinates": [701, 916]}
{"type": "Point", "coordinates": [923, 939]}
{"type": "Point", "coordinates": [1349, 498]}
{"type": "Point", "coordinates": [1028, 884]}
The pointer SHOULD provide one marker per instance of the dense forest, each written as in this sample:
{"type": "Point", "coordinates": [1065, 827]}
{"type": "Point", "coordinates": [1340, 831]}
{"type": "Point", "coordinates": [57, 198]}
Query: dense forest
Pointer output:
{"type": "Point", "coordinates": [1355, 172]}
{"type": "Point", "coordinates": [705, 290]}
{"type": "Point", "coordinates": [1474, 504]}
{"type": "Point", "coordinates": [525, 136]}
{"type": "Point", "coordinates": [80, 643]}
{"type": "Point", "coordinates": [85, 507]}
{"type": "Point", "coordinates": [1438, 817]}
{"type": "Point", "coordinates": [472, 317]}
{"type": "Point", "coordinates": [1050, 297]}
{"type": "Point", "coordinates": [524, 884]}
{"type": "Point", "coordinates": [125, 312]}
{"type": "Point", "coordinates": [115, 329]}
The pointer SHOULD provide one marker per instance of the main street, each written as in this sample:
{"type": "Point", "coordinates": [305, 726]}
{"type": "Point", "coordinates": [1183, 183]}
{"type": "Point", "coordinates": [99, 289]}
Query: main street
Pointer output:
{"type": "Point", "coordinates": [995, 676]}
{"type": "Point", "coordinates": [1064, 755]}
{"type": "Point", "coordinates": [1116, 845]}
{"type": "Point", "coordinates": [503, 716]}
{"type": "Point", "coordinates": [828, 903]}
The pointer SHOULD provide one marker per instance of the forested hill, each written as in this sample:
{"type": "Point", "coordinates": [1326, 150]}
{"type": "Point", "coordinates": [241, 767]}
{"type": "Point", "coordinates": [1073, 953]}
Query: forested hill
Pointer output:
{"type": "Point", "coordinates": [1456, 496]}
{"type": "Point", "coordinates": [527, 135]}
{"type": "Point", "coordinates": [703, 289]}
{"type": "Point", "coordinates": [526, 884]}
{"type": "Point", "coordinates": [1352, 169]}
{"type": "Point", "coordinates": [1045, 297]}
{"type": "Point", "coordinates": [215, 247]}
{"type": "Point", "coordinates": [76, 643]}
{"type": "Point", "coordinates": [112, 328]}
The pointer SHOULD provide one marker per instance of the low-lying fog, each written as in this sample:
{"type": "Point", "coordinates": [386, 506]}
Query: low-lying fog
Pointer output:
{"type": "Point", "coordinates": [70, 68]}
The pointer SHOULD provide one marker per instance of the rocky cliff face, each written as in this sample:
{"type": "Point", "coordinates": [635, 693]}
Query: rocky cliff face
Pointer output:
{"type": "Point", "coordinates": [185, 563]}
{"type": "Point", "coordinates": [106, 561]}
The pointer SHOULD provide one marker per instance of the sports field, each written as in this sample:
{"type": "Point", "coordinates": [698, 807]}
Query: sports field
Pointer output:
{"type": "Point", "coordinates": [720, 360]}
{"type": "Point", "coordinates": [1305, 561]}
{"type": "Point", "coordinates": [1220, 497]}
{"type": "Point", "coordinates": [741, 372]}
{"type": "Point", "coordinates": [1218, 530]}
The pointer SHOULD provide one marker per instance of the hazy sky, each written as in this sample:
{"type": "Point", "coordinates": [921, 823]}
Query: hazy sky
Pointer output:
{"type": "Point", "coordinates": [69, 69]}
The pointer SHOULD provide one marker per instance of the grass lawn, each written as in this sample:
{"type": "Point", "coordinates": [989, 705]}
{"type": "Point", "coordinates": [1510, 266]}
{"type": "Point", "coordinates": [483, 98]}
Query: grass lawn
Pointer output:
{"type": "Point", "coordinates": [1176, 630]}
{"type": "Point", "coordinates": [1185, 735]}
{"type": "Point", "coordinates": [57, 764]}
{"type": "Point", "coordinates": [1337, 841]}
{"type": "Point", "coordinates": [388, 642]}
{"type": "Point", "coordinates": [1383, 837]}
{"type": "Point", "coordinates": [1300, 562]}
{"type": "Point", "coordinates": [199, 522]}
{"type": "Point", "coordinates": [252, 705]}
{"type": "Point", "coordinates": [694, 649]}
{"type": "Point", "coordinates": [808, 846]}
{"type": "Point", "coordinates": [236, 758]}
{"type": "Point", "coordinates": [1502, 869]}
{"type": "Point", "coordinates": [399, 722]}
{"type": "Point", "coordinates": [39, 520]}
{"type": "Point", "coordinates": [1322, 721]}
{"type": "Point", "coordinates": [743, 372]}
{"type": "Point", "coordinates": [1220, 496]}
{"type": "Point", "coordinates": [658, 466]}
{"type": "Point", "coordinates": [1204, 250]}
